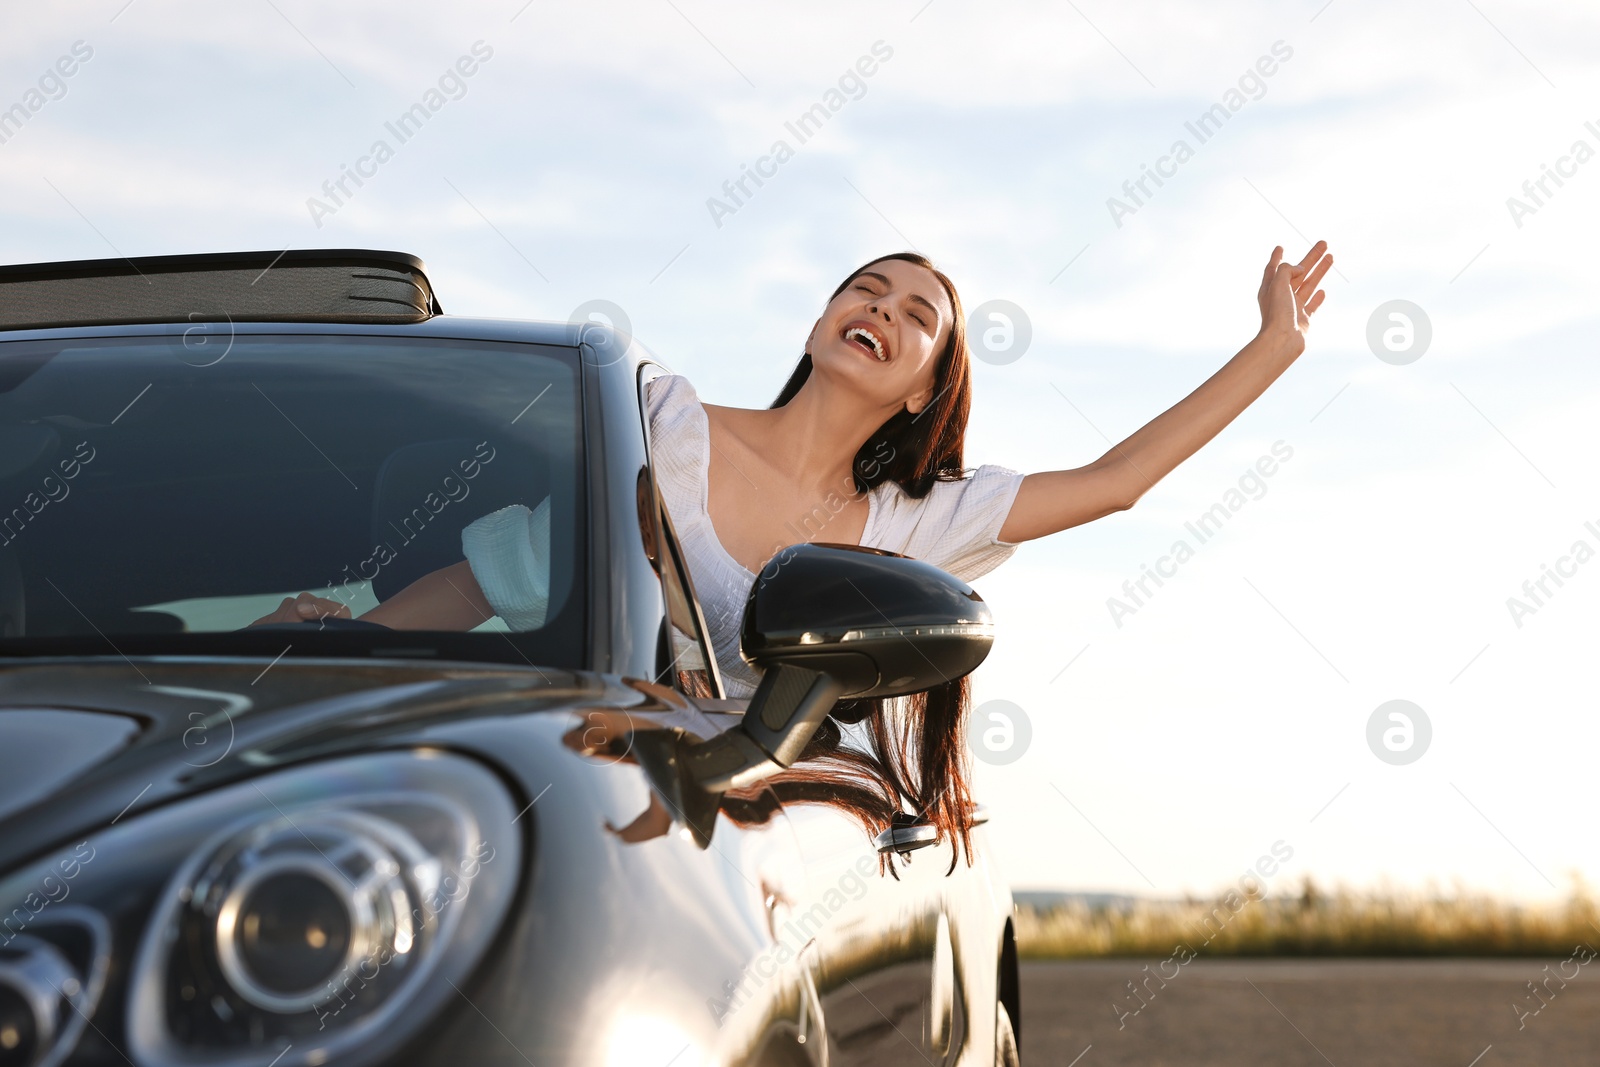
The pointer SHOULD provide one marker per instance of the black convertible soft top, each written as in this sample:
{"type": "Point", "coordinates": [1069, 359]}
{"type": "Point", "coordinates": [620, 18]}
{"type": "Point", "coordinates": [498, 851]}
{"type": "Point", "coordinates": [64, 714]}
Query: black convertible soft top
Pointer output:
{"type": "Point", "coordinates": [292, 285]}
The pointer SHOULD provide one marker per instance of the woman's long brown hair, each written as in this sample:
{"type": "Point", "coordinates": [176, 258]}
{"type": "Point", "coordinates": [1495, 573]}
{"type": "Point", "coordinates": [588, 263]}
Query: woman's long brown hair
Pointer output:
{"type": "Point", "coordinates": [919, 755]}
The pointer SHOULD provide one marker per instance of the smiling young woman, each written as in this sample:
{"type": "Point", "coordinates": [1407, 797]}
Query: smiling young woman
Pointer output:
{"type": "Point", "coordinates": [865, 444]}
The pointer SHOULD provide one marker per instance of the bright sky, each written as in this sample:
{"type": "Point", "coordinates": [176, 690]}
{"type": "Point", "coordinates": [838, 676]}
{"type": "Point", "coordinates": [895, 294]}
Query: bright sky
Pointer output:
{"type": "Point", "coordinates": [1230, 710]}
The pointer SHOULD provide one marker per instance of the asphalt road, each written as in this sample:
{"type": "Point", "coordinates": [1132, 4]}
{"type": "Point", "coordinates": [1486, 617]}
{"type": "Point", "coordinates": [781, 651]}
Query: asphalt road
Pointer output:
{"type": "Point", "coordinates": [1416, 1013]}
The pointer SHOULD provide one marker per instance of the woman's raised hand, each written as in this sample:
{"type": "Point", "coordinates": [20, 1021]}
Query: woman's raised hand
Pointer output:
{"type": "Point", "coordinates": [1289, 295]}
{"type": "Point", "coordinates": [306, 608]}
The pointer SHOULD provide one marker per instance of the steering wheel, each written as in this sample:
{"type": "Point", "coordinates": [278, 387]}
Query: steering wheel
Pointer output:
{"type": "Point", "coordinates": [321, 624]}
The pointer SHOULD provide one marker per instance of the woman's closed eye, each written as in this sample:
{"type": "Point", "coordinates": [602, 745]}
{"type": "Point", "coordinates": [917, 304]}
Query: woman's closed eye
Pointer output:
{"type": "Point", "coordinates": [918, 317]}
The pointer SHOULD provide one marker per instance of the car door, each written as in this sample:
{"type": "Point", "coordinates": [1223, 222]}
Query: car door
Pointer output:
{"type": "Point", "coordinates": [885, 969]}
{"type": "Point", "coordinates": [770, 1012]}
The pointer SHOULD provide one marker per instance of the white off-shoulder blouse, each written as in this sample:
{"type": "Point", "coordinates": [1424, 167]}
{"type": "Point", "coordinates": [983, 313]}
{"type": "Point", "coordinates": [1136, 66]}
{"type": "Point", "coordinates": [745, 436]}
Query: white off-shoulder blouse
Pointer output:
{"type": "Point", "coordinates": [955, 527]}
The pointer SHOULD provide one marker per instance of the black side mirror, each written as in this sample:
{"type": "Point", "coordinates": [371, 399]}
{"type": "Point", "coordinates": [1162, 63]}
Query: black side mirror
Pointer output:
{"type": "Point", "coordinates": [828, 622]}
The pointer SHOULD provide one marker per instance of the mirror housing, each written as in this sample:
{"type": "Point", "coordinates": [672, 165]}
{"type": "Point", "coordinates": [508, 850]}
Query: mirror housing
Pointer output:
{"type": "Point", "coordinates": [828, 622]}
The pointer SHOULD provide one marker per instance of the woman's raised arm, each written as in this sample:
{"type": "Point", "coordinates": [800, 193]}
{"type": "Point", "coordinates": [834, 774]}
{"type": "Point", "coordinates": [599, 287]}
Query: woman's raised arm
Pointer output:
{"type": "Point", "coordinates": [1051, 501]}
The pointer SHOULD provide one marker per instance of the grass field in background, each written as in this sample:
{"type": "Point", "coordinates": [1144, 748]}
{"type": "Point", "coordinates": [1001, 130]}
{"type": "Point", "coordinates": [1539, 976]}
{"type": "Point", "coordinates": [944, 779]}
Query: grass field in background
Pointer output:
{"type": "Point", "coordinates": [1312, 923]}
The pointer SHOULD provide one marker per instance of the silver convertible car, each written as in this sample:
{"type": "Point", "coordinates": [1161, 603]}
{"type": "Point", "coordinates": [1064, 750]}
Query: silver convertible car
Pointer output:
{"type": "Point", "coordinates": [332, 842]}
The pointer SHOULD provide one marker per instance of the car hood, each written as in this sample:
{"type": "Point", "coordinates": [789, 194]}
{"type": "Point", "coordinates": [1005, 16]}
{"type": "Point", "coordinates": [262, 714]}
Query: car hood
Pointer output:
{"type": "Point", "coordinates": [86, 743]}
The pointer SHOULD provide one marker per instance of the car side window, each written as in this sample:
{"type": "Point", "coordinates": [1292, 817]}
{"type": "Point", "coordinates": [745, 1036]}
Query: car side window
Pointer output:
{"type": "Point", "coordinates": [685, 651]}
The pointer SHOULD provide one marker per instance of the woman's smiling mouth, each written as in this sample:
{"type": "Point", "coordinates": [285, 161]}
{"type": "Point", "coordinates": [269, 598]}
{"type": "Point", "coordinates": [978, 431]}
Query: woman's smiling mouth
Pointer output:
{"type": "Point", "coordinates": [866, 337]}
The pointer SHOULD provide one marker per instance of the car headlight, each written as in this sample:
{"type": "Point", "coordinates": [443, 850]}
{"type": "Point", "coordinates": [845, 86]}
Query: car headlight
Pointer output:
{"type": "Point", "coordinates": [290, 915]}
{"type": "Point", "coordinates": [46, 986]}
{"type": "Point", "coordinates": [317, 914]}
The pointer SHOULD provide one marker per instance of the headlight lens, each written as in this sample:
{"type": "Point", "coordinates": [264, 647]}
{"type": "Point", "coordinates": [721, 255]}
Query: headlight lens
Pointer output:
{"type": "Point", "coordinates": [284, 938]}
{"type": "Point", "coordinates": [289, 908]}
{"type": "Point", "coordinates": [322, 913]}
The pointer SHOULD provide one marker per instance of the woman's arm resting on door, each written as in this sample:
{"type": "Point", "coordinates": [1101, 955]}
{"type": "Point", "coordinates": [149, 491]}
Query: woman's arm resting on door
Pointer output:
{"type": "Point", "coordinates": [1050, 501]}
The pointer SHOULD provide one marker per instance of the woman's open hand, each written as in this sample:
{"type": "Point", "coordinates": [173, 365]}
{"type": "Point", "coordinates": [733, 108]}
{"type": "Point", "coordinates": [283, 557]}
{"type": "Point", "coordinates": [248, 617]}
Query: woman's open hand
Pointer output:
{"type": "Point", "coordinates": [1289, 295]}
{"type": "Point", "coordinates": [306, 608]}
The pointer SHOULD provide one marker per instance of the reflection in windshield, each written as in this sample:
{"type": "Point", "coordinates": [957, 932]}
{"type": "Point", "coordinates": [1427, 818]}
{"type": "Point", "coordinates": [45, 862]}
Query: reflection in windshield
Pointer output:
{"type": "Point", "coordinates": [143, 494]}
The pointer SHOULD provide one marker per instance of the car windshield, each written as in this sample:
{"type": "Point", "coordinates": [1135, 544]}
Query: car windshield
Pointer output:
{"type": "Point", "coordinates": [158, 494]}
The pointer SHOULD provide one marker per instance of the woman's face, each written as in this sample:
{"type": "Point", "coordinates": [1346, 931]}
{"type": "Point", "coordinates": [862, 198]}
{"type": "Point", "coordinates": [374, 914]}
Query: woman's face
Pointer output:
{"type": "Point", "coordinates": [883, 333]}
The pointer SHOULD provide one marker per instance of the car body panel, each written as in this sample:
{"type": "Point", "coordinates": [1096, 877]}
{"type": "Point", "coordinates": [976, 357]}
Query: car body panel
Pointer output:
{"type": "Point", "coordinates": [628, 942]}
